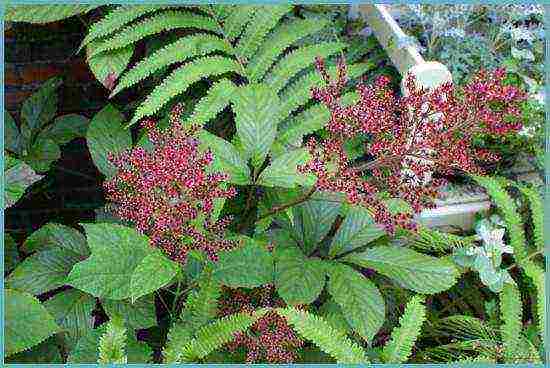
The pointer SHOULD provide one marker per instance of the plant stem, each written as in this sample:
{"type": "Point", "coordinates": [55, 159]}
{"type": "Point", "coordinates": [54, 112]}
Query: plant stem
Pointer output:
{"type": "Point", "coordinates": [283, 207]}
{"type": "Point", "coordinates": [534, 254]}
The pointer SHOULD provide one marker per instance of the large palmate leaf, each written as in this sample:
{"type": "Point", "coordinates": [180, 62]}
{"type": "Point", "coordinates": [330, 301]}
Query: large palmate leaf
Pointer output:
{"type": "Point", "coordinates": [41, 154]}
{"type": "Point", "coordinates": [283, 171]}
{"type": "Point", "coordinates": [72, 310]}
{"type": "Point", "coordinates": [226, 158]}
{"type": "Point", "coordinates": [65, 128]}
{"type": "Point", "coordinates": [138, 315]}
{"type": "Point", "coordinates": [40, 108]}
{"type": "Point", "coordinates": [105, 136]}
{"type": "Point", "coordinates": [357, 229]}
{"type": "Point", "coordinates": [360, 300]}
{"type": "Point", "coordinates": [409, 269]}
{"type": "Point", "coordinates": [27, 322]}
{"type": "Point", "coordinates": [299, 280]}
{"type": "Point", "coordinates": [118, 252]}
{"type": "Point", "coordinates": [156, 264]}
{"type": "Point", "coordinates": [54, 235]}
{"type": "Point", "coordinates": [256, 109]}
{"type": "Point", "coordinates": [250, 265]}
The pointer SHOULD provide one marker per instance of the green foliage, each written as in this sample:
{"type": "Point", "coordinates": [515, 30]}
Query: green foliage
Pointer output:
{"type": "Point", "coordinates": [137, 315]}
{"type": "Point", "coordinates": [107, 136]}
{"type": "Point", "coordinates": [253, 258]}
{"type": "Point", "coordinates": [72, 311]}
{"type": "Point", "coordinates": [399, 348]}
{"type": "Point", "coordinates": [27, 322]}
{"type": "Point", "coordinates": [37, 139]}
{"type": "Point", "coordinates": [201, 305]}
{"type": "Point", "coordinates": [11, 253]}
{"type": "Point", "coordinates": [357, 229]}
{"type": "Point", "coordinates": [119, 258]}
{"type": "Point", "coordinates": [299, 280]}
{"type": "Point", "coordinates": [331, 341]}
{"type": "Point", "coordinates": [409, 269]}
{"type": "Point", "coordinates": [359, 299]}
{"type": "Point", "coordinates": [112, 344]}
{"type": "Point", "coordinates": [56, 249]}
{"type": "Point", "coordinates": [209, 338]}
{"type": "Point", "coordinates": [283, 173]}
{"type": "Point", "coordinates": [18, 176]}
{"type": "Point", "coordinates": [511, 314]}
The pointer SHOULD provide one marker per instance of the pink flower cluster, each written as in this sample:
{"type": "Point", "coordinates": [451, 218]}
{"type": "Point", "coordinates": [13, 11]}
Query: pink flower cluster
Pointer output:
{"type": "Point", "coordinates": [168, 192]}
{"type": "Point", "coordinates": [270, 339]}
{"type": "Point", "coordinates": [409, 138]}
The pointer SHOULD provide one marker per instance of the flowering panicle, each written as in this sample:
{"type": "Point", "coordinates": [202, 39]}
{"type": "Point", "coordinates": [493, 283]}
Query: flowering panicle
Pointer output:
{"type": "Point", "coordinates": [409, 138]}
{"type": "Point", "coordinates": [270, 339]}
{"type": "Point", "coordinates": [168, 192]}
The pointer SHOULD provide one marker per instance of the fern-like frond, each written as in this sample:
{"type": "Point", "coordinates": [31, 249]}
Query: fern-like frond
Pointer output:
{"type": "Point", "coordinates": [236, 19]}
{"type": "Point", "coordinates": [201, 305]}
{"type": "Point", "coordinates": [511, 314]}
{"type": "Point", "coordinates": [211, 337]}
{"type": "Point", "coordinates": [179, 51]}
{"type": "Point", "coordinates": [263, 21]}
{"type": "Point", "coordinates": [298, 60]}
{"type": "Point", "coordinates": [513, 220]}
{"type": "Point", "coordinates": [537, 214]}
{"type": "Point", "coordinates": [307, 122]}
{"type": "Point", "coordinates": [278, 41]}
{"type": "Point", "coordinates": [298, 93]}
{"type": "Point", "coordinates": [331, 341]}
{"type": "Point", "coordinates": [181, 79]}
{"type": "Point", "coordinates": [178, 337]}
{"type": "Point", "coordinates": [465, 328]}
{"type": "Point", "coordinates": [429, 240]}
{"type": "Point", "coordinates": [537, 275]}
{"type": "Point", "coordinates": [399, 348]}
{"type": "Point", "coordinates": [217, 99]}
{"type": "Point", "coordinates": [164, 21]}
{"type": "Point", "coordinates": [220, 11]}
{"type": "Point", "coordinates": [112, 344]}
{"type": "Point", "coordinates": [117, 19]}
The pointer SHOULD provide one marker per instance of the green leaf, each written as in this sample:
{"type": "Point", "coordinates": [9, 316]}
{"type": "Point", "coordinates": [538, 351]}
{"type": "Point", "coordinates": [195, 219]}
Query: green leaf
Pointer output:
{"type": "Point", "coordinates": [54, 235]}
{"type": "Point", "coordinates": [411, 270]}
{"type": "Point", "coordinates": [112, 343]}
{"type": "Point", "coordinates": [44, 13]}
{"type": "Point", "coordinates": [40, 108]}
{"type": "Point", "coordinates": [399, 348]}
{"type": "Point", "coordinates": [256, 109]}
{"type": "Point", "coordinates": [359, 298]}
{"type": "Point", "coordinates": [66, 128]}
{"type": "Point", "coordinates": [216, 100]}
{"type": "Point", "coordinates": [357, 229]}
{"type": "Point", "coordinates": [72, 310]}
{"type": "Point", "coordinates": [11, 254]}
{"type": "Point", "coordinates": [250, 257]}
{"type": "Point", "coordinates": [201, 306]}
{"type": "Point", "coordinates": [282, 172]}
{"type": "Point", "coordinates": [42, 153]}
{"type": "Point", "coordinates": [331, 341]}
{"type": "Point", "coordinates": [59, 248]}
{"type": "Point", "coordinates": [331, 312]}
{"type": "Point", "coordinates": [16, 180]}
{"type": "Point", "coordinates": [138, 315]}
{"type": "Point", "coordinates": [313, 220]}
{"type": "Point", "coordinates": [46, 352]}
{"type": "Point", "coordinates": [116, 253]}
{"type": "Point", "coordinates": [298, 280]}
{"type": "Point", "coordinates": [108, 66]}
{"type": "Point", "coordinates": [27, 322]}
{"type": "Point", "coordinates": [226, 158]}
{"type": "Point", "coordinates": [181, 79]}
{"type": "Point", "coordinates": [87, 349]}
{"type": "Point", "coordinates": [12, 136]}
{"type": "Point", "coordinates": [511, 315]}
{"type": "Point", "coordinates": [152, 273]}
{"type": "Point", "coordinates": [105, 136]}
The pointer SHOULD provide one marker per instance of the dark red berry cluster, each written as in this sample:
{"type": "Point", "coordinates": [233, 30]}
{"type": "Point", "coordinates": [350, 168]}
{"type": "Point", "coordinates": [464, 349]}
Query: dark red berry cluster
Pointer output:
{"type": "Point", "coordinates": [168, 192]}
{"type": "Point", "coordinates": [409, 138]}
{"type": "Point", "coordinates": [270, 339]}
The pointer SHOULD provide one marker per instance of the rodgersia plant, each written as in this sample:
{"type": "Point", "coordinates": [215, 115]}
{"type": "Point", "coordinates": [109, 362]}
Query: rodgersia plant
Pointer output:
{"type": "Point", "coordinates": [411, 137]}
{"type": "Point", "coordinates": [169, 193]}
